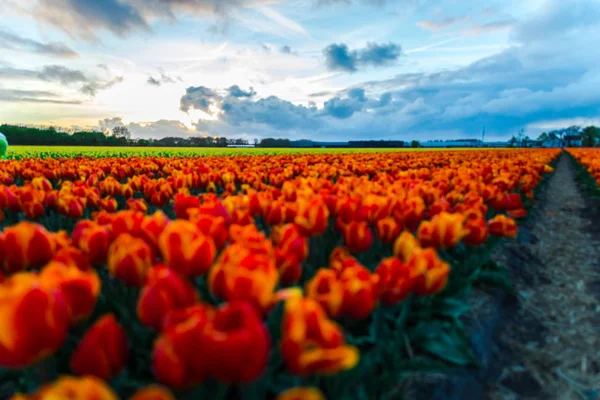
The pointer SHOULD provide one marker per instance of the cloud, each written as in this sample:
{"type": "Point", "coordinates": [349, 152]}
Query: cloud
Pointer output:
{"type": "Point", "coordinates": [153, 81]}
{"type": "Point", "coordinates": [163, 78]}
{"type": "Point", "coordinates": [199, 98]}
{"type": "Point", "coordinates": [559, 18]}
{"type": "Point", "coordinates": [148, 130]}
{"type": "Point", "coordinates": [235, 91]}
{"type": "Point", "coordinates": [62, 75]}
{"type": "Point", "coordinates": [494, 26]}
{"type": "Point", "coordinates": [32, 96]}
{"type": "Point", "coordinates": [529, 84]}
{"type": "Point", "coordinates": [48, 73]}
{"type": "Point", "coordinates": [93, 87]}
{"type": "Point", "coordinates": [286, 49]}
{"type": "Point", "coordinates": [84, 18]}
{"type": "Point", "coordinates": [444, 23]}
{"type": "Point", "coordinates": [14, 42]}
{"type": "Point", "coordinates": [338, 57]}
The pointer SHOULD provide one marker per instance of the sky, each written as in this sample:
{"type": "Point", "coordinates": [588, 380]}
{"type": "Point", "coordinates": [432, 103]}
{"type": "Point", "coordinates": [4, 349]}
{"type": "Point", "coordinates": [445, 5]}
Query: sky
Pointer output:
{"type": "Point", "coordinates": [330, 70]}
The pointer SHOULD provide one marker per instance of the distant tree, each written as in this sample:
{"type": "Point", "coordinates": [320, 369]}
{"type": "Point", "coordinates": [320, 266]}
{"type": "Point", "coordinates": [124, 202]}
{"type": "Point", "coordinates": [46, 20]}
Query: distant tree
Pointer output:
{"type": "Point", "coordinates": [590, 136]}
{"type": "Point", "coordinates": [121, 132]}
{"type": "Point", "coordinates": [255, 142]}
{"type": "Point", "coordinates": [513, 142]}
{"type": "Point", "coordinates": [543, 137]}
{"type": "Point", "coordinates": [415, 144]}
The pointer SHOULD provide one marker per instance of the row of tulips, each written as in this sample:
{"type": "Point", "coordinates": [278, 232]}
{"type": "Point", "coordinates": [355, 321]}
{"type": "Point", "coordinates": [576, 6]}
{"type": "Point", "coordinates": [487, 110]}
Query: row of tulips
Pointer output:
{"type": "Point", "coordinates": [590, 159]}
{"type": "Point", "coordinates": [269, 272]}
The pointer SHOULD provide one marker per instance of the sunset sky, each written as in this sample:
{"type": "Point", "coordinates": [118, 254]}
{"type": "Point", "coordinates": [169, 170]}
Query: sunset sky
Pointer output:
{"type": "Point", "coordinates": [317, 69]}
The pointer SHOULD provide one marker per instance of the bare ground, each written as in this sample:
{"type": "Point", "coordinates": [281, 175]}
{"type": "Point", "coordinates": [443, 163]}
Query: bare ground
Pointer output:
{"type": "Point", "coordinates": [550, 347]}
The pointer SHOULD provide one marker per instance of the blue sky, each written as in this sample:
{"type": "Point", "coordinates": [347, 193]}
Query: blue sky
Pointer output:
{"type": "Point", "coordinates": [318, 69]}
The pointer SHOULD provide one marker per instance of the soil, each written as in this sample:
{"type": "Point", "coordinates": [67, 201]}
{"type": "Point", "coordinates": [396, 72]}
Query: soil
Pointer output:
{"type": "Point", "coordinates": [551, 347]}
{"type": "Point", "coordinates": [542, 341]}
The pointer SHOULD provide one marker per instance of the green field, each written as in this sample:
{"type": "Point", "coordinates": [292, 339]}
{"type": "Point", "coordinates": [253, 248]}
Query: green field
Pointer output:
{"type": "Point", "coordinates": [17, 152]}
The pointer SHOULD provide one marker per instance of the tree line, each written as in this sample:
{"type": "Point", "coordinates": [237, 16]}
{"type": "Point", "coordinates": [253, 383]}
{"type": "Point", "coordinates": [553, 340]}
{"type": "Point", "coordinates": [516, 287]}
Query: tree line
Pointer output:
{"type": "Point", "coordinates": [119, 136]}
{"type": "Point", "coordinates": [566, 137]}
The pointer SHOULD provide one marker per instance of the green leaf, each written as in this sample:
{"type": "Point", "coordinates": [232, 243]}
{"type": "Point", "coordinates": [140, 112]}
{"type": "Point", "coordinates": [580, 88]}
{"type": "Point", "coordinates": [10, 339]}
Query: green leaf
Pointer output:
{"type": "Point", "coordinates": [447, 341]}
{"type": "Point", "coordinates": [453, 307]}
{"type": "Point", "coordinates": [498, 279]}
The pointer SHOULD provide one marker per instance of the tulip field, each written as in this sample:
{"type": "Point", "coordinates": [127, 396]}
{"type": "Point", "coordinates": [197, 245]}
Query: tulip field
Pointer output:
{"type": "Point", "coordinates": [160, 275]}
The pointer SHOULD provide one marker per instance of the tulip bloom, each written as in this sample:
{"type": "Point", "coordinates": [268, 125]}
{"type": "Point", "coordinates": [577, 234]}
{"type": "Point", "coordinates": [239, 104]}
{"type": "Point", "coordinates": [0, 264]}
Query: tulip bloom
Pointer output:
{"type": "Point", "coordinates": [311, 343]}
{"type": "Point", "coordinates": [213, 227]}
{"type": "Point", "coordinates": [476, 232]}
{"type": "Point", "coordinates": [68, 387]}
{"type": "Point", "coordinates": [396, 280]}
{"type": "Point", "coordinates": [34, 320]}
{"type": "Point", "coordinates": [301, 393]}
{"type": "Point", "coordinates": [72, 256]}
{"type": "Point", "coordinates": [80, 289]}
{"type": "Point", "coordinates": [129, 259]}
{"type": "Point", "coordinates": [357, 236]}
{"type": "Point", "coordinates": [443, 231]}
{"type": "Point", "coordinates": [431, 270]}
{"type": "Point", "coordinates": [164, 291]}
{"type": "Point", "coordinates": [409, 212]}
{"type": "Point", "coordinates": [291, 251]}
{"type": "Point", "coordinates": [245, 273]}
{"type": "Point", "coordinates": [186, 249]}
{"type": "Point", "coordinates": [502, 226]}
{"type": "Point", "coordinates": [177, 357]}
{"type": "Point", "coordinates": [312, 217]}
{"type": "Point", "coordinates": [102, 352]}
{"type": "Point", "coordinates": [153, 392]}
{"type": "Point", "coordinates": [327, 290]}
{"type": "Point", "coordinates": [182, 203]}
{"type": "Point", "coordinates": [405, 245]}
{"type": "Point", "coordinates": [237, 343]}
{"type": "Point", "coordinates": [27, 245]}
{"type": "Point", "coordinates": [360, 292]}
{"type": "Point", "coordinates": [93, 239]}
{"type": "Point", "coordinates": [387, 230]}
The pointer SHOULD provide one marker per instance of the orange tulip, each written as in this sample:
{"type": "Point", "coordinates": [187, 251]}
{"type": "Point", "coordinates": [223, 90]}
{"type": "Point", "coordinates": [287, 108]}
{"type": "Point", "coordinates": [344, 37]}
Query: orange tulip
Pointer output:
{"type": "Point", "coordinates": [153, 392]}
{"type": "Point", "coordinates": [129, 259]}
{"type": "Point", "coordinates": [72, 256]}
{"type": "Point", "coordinates": [311, 343]}
{"type": "Point", "coordinates": [93, 239]}
{"type": "Point", "coordinates": [164, 291]}
{"type": "Point", "coordinates": [236, 343]}
{"type": "Point", "coordinates": [502, 226]}
{"type": "Point", "coordinates": [34, 320]}
{"type": "Point", "coordinates": [431, 270]}
{"type": "Point", "coordinates": [68, 387]}
{"type": "Point", "coordinates": [313, 217]}
{"type": "Point", "coordinates": [80, 289]}
{"type": "Point", "coordinates": [291, 251]}
{"type": "Point", "coordinates": [327, 290]}
{"type": "Point", "coordinates": [360, 292]}
{"type": "Point", "coordinates": [27, 245]}
{"type": "Point", "coordinates": [443, 231]}
{"type": "Point", "coordinates": [387, 230]}
{"type": "Point", "coordinates": [186, 249]}
{"type": "Point", "coordinates": [301, 393]}
{"type": "Point", "coordinates": [396, 280]}
{"type": "Point", "coordinates": [405, 245]}
{"type": "Point", "coordinates": [357, 236]}
{"type": "Point", "coordinates": [102, 352]}
{"type": "Point", "coordinates": [177, 356]}
{"type": "Point", "coordinates": [476, 232]}
{"type": "Point", "coordinates": [245, 273]}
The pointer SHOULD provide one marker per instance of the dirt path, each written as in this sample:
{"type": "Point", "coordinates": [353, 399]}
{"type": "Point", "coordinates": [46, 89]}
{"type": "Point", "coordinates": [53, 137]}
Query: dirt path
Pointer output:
{"type": "Point", "coordinates": [550, 344]}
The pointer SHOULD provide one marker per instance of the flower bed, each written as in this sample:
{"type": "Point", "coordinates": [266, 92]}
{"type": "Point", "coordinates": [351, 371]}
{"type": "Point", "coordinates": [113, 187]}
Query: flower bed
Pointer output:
{"type": "Point", "coordinates": [284, 276]}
